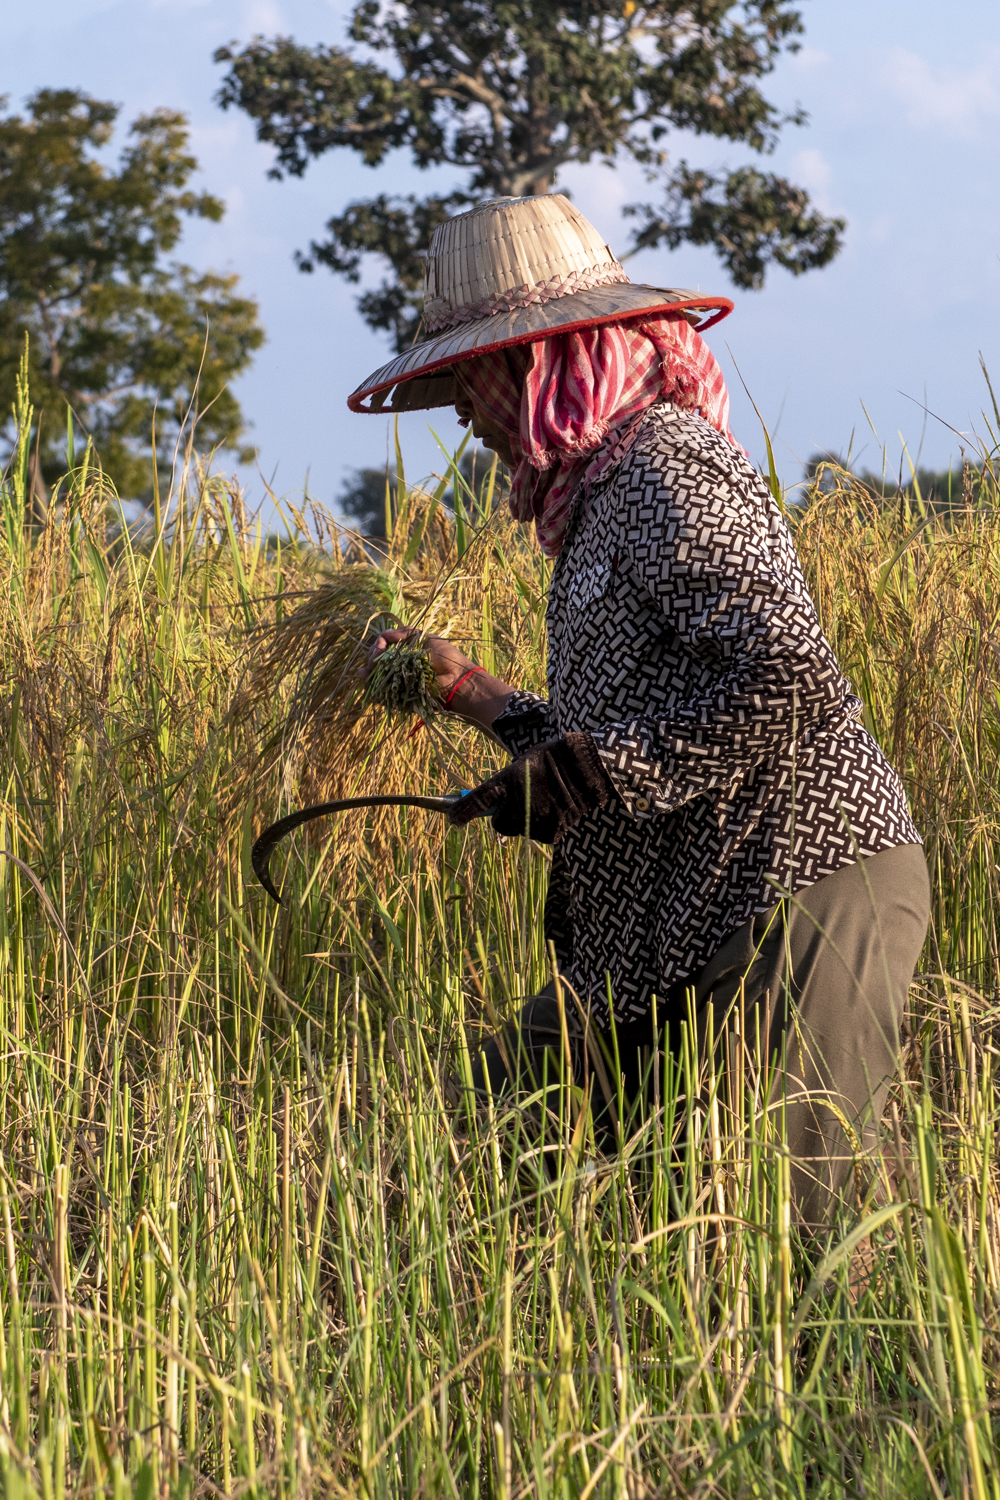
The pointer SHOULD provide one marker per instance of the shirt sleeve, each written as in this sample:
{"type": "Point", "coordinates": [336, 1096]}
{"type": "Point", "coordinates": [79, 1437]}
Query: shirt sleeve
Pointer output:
{"type": "Point", "coordinates": [524, 721]}
{"type": "Point", "coordinates": [718, 562]}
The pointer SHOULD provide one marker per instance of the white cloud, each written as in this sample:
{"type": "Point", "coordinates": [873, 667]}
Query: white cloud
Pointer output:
{"type": "Point", "coordinates": [958, 101]}
{"type": "Point", "coordinates": [255, 15]}
{"type": "Point", "coordinates": [808, 59]}
{"type": "Point", "coordinates": [812, 170]}
{"type": "Point", "coordinates": [263, 15]}
{"type": "Point", "coordinates": [882, 229]}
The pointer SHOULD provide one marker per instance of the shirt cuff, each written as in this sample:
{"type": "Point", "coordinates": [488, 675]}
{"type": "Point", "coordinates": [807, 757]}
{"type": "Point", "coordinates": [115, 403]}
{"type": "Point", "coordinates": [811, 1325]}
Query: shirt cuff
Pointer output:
{"type": "Point", "coordinates": [524, 721]}
{"type": "Point", "coordinates": [637, 780]}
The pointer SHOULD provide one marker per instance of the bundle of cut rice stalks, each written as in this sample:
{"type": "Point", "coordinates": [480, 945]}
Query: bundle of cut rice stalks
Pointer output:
{"type": "Point", "coordinates": [320, 732]}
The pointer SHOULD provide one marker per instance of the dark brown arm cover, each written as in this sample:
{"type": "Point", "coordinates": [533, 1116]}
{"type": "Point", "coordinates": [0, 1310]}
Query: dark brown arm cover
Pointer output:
{"type": "Point", "coordinates": [542, 793]}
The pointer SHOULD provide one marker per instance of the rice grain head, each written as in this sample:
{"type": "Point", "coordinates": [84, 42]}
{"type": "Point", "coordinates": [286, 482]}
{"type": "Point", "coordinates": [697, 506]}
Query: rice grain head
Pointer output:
{"type": "Point", "coordinates": [321, 730]}
{"type": "Point", "coordinates": [402, 681]}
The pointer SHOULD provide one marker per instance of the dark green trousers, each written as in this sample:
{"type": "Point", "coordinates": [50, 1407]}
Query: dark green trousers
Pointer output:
{"type": "Point", "coordinates": [824, 978]}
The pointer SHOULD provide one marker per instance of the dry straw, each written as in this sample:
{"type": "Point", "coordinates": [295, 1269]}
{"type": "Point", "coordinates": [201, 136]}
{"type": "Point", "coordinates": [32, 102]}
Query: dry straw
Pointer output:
{"type": "Point", "coordinates": [191, 1092]}
{"type": "Point", "coordinates": [324, 732]}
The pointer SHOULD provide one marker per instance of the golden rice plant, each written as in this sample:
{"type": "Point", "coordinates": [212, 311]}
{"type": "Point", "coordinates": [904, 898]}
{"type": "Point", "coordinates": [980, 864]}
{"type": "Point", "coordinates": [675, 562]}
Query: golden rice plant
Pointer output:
{"type": "Point", "coordinates": [254, 1245]}
{"type": "Point", "coordinates": [320, 732]}
{"type": "Point", "coordinates": [909, 598]}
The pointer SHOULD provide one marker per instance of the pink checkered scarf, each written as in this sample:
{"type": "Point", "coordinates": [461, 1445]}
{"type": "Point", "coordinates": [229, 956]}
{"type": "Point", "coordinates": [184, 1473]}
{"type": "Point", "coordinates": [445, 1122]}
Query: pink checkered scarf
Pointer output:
{"type": "Point", "coordinates": [558, 399]}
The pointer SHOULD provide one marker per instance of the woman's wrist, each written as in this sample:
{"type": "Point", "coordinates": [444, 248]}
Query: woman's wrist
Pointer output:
{"type": "Point", "coordinates": [478, 696]}
{"type": "Point", "coordinates": [458, 683]}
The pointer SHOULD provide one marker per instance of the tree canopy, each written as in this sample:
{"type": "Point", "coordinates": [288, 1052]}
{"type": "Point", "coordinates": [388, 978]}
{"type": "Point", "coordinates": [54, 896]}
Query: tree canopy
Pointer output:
{"type": "Point", "coordinates": [510, 92]}
{"type": "Point", "coordinates": [113, 332]}
{"type": "Point", "coordinates": [362, 498]}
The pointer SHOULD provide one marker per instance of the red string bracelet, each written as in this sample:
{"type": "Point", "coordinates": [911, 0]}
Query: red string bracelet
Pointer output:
{"type": "Point", "coordinates": [464, 678]}
{"type": "Point", "coordinates": [454, 689]}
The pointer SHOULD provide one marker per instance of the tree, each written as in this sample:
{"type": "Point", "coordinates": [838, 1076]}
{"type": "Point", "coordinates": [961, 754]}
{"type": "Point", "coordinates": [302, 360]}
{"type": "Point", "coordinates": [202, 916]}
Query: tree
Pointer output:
{"type": "Point", "coordinates": [510, 92]}
{"type": "Point", "coordinates": [362, 498]}
{"type": "Point", "coordinates": [113, 333]}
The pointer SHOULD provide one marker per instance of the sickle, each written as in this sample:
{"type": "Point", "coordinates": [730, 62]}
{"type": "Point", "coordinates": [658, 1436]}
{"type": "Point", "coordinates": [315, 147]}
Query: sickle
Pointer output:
{"type": "Point", "coordinates": [260, 854]}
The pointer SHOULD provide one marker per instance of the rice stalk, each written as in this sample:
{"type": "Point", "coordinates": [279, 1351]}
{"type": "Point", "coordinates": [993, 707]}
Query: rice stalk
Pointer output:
{"type": "Point", "coordinates": [402, 680]}
{"type": "Point", "coordinates": [253, 1236]}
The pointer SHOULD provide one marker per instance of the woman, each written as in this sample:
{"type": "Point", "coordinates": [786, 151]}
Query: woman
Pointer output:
{"type": "Point", "coordinates": [717, 812]}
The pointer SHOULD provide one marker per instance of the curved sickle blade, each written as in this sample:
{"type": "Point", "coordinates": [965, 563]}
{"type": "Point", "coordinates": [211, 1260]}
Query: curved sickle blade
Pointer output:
{"type": "Point", "coordinates": [264, 845]}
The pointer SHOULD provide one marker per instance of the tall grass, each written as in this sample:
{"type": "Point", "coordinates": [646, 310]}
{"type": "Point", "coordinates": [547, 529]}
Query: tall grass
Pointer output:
{"type": "Point", "coordinates": [255, 1240]}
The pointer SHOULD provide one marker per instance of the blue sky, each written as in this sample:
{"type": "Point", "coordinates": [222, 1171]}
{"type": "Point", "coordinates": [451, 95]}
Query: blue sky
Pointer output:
{"type": "Point", "coordinates": [904, 104]}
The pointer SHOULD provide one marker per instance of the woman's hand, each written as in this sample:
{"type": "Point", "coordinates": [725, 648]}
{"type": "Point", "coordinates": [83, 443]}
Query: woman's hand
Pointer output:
{"type": "Point", "coordinates": [541, 794]}
{"type": "Point", "coordinates": [448, 662]}
{"type": "Point", "coordinates": [480, 698]}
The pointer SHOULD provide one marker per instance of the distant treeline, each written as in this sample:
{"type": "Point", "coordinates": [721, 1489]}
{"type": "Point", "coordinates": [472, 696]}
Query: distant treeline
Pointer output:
{"type": "Point", "coordinates": [362, 497]}
{"type": "Point", "coordinates": [959, 484]}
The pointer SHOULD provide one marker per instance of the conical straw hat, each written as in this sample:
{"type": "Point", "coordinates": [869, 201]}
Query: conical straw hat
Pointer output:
{"type": "Point", "coordinates": [509, 272]}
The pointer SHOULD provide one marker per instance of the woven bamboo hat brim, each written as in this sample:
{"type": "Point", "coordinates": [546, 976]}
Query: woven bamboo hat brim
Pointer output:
{"type": "Point", "coordinates": [510, 272]}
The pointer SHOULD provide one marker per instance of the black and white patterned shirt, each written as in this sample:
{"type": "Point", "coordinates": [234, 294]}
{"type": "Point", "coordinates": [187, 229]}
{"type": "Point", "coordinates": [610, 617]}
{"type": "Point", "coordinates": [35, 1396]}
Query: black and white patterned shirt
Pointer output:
{"type": "Point", "coordinates": [683, 638]}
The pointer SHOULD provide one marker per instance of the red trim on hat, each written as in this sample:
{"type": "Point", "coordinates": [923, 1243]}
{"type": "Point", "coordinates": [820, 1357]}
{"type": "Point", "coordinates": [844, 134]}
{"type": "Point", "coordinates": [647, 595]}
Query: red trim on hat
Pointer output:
{"type": "Point", "coordinates": [723, 305]}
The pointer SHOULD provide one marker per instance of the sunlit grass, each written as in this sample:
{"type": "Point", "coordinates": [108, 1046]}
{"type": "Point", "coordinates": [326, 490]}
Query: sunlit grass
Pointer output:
{"type": "Point", "coordinates": [256, 1240]}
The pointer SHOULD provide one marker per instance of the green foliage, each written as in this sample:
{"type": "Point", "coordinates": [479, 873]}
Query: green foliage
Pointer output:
{"type": "Point", "coordinates": [752, 218]}
{"type": "Point", "coordinates": [114, 332]}
{"type": "Point", "coordinates": [511, 91]}
{"type": "Point", "coordinates": [397, 230]}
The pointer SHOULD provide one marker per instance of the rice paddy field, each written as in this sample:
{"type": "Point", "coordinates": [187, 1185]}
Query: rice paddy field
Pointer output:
{"type": "Point", "coordinates": [255, 1238]}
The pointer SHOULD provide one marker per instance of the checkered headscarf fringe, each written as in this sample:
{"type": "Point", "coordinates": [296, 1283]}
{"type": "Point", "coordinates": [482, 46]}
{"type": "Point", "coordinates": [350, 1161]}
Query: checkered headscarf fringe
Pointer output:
{"type": "Point", "coordinates": [558, 399]}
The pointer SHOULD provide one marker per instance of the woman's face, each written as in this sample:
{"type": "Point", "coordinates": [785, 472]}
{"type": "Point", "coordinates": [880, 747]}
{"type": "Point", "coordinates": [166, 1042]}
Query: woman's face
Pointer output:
{"type": "Point", "coordinates": [489, 434]}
